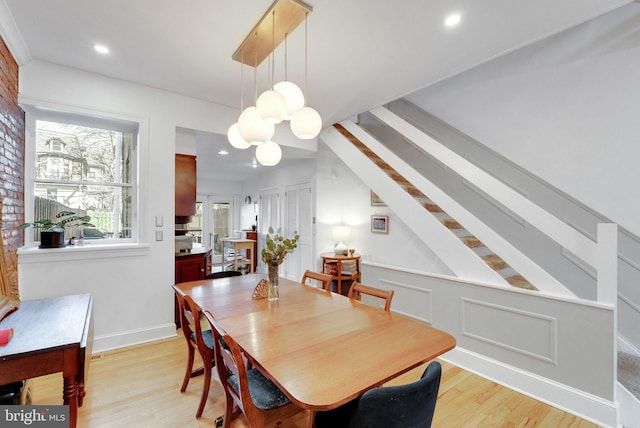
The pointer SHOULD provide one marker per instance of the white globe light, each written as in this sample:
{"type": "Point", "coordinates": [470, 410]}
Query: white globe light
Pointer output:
{"type": "Point", "coordinates": [306, 123]}
{"type": "Point", "coordinates": [235, 139]}
{"type": "Point", "coordinates": [292, 94]}
{"type": "Point", "coordinates": [272, 106]}
{"type": "Point", "coordinates": [269, 153]}
{"type": "Point", "coordinates": [252, 128]}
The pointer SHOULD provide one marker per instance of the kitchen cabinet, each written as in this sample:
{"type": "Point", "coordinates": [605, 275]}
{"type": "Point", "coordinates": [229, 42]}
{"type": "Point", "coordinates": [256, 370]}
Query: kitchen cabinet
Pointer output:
{"type": "Point", "coordinates": [191, 266]}
{"type": "Point", "coordinates": [185, 189]}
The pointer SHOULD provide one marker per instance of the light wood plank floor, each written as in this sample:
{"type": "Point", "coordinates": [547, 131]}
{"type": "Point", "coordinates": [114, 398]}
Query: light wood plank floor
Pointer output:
{"type": "Point", "coordinates": [139, 387]}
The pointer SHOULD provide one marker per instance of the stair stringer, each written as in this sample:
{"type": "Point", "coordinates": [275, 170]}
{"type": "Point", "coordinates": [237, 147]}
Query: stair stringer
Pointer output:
{"type": "Point", "coordinates": [462, 261]}
{"type": "Point", "coordinates": [541, 279]}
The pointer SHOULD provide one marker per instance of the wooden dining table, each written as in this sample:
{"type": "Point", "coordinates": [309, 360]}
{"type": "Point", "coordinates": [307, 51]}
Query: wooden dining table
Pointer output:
{"type": "Point", "coordinates": [322, 349]}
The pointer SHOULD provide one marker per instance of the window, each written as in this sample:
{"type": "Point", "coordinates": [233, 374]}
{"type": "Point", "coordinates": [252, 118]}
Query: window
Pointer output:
{"type": "Point", "coordinates": [86, 165]}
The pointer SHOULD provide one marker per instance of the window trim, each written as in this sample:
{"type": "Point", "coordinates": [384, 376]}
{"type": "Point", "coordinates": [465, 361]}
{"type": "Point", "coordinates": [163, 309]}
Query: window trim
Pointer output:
{"type": "Point", "coordinates": [91, 118]}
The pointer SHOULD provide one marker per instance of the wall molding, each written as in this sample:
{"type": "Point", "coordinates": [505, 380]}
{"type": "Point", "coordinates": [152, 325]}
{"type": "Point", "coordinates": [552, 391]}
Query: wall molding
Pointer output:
{"type": "Point", "coordinates": [594, 409]}
{"type": "Point", "coordinates": [493, 311]}
{"type": "Point", "coordinates": [121, 339]}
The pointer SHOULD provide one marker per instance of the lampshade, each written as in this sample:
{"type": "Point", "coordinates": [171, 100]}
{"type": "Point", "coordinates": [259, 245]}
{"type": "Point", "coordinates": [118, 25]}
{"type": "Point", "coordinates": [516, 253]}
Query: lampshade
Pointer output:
{"type": "Point", "coordinates": [272, 106]}
{"type": "Point", "coordinates": [340, 233]}
{"type": "Point", "coordinates": [252, 128]}
{"type": "Point", "coordinates": [269, 153]}
{"type": "Point", "coordinates": [233, 135]}
{"type": "Point", "coordinates": [306, 123]}
{"type": "Point", "coordinates": [293, 96]}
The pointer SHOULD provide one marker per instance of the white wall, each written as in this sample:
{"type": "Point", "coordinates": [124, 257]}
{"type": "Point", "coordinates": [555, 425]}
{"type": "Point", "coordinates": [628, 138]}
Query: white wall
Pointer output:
{"type": "Point", "coordinates": [133, 296]}
{"type": "Point", "coordinates": [343, 198]}
{"type": "Point", "coordinates": [566, 109]}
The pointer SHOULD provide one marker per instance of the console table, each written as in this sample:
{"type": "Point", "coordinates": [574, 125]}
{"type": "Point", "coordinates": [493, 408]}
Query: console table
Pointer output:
{"type": "Point", "coordinates": [49, 336]}
{"type": "Point", "coordinates": [334, 261]}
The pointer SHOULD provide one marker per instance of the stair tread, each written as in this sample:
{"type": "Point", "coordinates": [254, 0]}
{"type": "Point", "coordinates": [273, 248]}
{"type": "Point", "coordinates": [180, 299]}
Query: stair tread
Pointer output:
{"type": "Point", "coordinates": [494, 261]}
{"type": "Point", "coordinates": [519, 281]}
{"type": "Point", "coordinates": [629, 372]}
{"type": "Point", "coordinates": [471, 241]}
{"type": "Point", "coordinates": [451, 224]}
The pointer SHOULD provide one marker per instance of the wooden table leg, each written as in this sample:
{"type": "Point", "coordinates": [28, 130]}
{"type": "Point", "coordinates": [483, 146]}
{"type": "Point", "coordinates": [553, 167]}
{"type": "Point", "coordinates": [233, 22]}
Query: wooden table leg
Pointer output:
{"type": "Point", "coordinates": [71, 398]}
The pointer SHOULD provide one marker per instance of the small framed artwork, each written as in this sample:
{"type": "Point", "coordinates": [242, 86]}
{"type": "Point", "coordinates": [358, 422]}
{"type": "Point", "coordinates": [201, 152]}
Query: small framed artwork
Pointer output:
{"type": "Point", "coordinates": [376, 201]}
{"type": "Point", "coordinates": [380, 223]}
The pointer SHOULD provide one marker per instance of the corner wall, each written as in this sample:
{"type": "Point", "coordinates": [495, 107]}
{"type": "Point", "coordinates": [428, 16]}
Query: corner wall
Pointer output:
{"type": "Point", "coordinates": [11, 162]}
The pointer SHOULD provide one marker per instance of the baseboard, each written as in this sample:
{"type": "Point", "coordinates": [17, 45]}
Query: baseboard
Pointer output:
{"type": "Point", "coordinates": [571, 400]}
{"type": "Point", "coordinates": [122, 339]}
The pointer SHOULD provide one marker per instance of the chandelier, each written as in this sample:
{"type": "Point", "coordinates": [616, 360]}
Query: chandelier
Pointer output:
{"type": "Point", "coordinates": [283, 101]}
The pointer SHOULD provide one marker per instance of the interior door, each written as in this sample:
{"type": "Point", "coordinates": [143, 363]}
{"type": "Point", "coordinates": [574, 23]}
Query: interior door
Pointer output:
{"type": "Point", "coordinates": [299, 218]}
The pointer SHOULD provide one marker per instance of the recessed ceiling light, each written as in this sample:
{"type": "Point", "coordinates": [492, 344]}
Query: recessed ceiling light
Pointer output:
{"type": "Point", "coordinates": [101, 49]}
{"type": "Point", "coordinates": [223, 152]}
{"type": "Point", "coordinates": [452, 20]}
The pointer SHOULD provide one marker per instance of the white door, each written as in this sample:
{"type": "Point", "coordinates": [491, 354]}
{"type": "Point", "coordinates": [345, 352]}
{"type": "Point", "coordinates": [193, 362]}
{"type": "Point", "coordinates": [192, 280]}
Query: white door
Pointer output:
{"type": "Point", "coordinates": [217, 222]}
{"type": "Point", "coordinates": [299, 218]}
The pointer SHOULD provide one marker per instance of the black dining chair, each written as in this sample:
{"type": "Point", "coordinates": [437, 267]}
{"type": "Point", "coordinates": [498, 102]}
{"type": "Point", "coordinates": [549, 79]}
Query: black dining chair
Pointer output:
{"type": "Point", "coordinates": [223, 274]}
{"type": "Point", "coordinates": [402, 406]}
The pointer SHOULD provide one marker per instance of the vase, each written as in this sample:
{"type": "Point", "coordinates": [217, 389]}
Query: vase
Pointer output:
{"type": "Point", "coordinates": [273, 288]}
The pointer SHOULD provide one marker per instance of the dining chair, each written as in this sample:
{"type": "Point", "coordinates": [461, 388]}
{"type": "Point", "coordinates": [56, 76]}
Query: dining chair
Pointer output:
{"type": "Point", "coordinates": [197, 340]}
{"type": "Point", "coordinates": [387, 295]}
{"type": "Point", "coordinates": [402, 406]}
{"type": "Point", "coordinates": [223, 274]}
{"type": "Point", "coordinates": [323, 278]}
{"type": "Point", "coordinates": [247, 390]}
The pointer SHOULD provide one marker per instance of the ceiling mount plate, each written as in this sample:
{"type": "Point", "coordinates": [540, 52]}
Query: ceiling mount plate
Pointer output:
{"type": "Point", "coordinates": [263, 38]}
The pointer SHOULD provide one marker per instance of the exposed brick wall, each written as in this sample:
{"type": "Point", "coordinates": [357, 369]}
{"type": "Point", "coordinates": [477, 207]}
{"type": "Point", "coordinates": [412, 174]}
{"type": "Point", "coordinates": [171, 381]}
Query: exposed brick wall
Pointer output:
{"type": "Point", "coordinates": [11, 162]}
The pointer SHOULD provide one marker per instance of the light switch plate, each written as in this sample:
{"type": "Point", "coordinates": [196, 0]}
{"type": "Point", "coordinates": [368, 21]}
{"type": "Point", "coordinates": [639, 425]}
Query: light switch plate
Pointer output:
{"type": "Point", "coordinates": [158, 221]}
{"type": "Point", "coordinates": [158, 235]}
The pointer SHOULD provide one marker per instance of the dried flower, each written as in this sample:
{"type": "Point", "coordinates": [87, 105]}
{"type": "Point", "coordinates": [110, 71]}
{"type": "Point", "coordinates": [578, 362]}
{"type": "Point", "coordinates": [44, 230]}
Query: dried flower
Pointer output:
{"type": "Point", "coordinates": [277, 247]}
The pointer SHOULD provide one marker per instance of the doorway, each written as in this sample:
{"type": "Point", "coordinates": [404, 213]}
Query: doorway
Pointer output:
{"type": "Point", "coordinates": [212, 222]}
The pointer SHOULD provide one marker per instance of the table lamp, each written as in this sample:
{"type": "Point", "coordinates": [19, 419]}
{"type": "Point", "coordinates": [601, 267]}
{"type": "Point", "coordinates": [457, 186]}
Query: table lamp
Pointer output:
{"type": "Point", "coordinates": [340, 234]}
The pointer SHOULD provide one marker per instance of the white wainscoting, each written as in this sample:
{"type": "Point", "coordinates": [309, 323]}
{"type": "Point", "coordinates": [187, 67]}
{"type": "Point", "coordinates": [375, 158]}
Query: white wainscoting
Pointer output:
{"type": "Point", "coordinates": [558, 350]}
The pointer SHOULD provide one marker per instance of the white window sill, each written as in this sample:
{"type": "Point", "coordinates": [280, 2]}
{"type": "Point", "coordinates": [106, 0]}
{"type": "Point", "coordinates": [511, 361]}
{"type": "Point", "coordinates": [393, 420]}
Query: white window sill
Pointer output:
{"type": "Point", "coordinates": [88, 251]}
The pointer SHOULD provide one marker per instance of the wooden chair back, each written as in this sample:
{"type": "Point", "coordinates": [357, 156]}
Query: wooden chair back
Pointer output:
{"type": "Point", "coordinates": [231, 361]}
{"type": "Point", "coordinates": [323, 278]}
{"type": "Point", "coordinates": [386, 295]}
{"type": "Point", "coordinates": [190, 323]}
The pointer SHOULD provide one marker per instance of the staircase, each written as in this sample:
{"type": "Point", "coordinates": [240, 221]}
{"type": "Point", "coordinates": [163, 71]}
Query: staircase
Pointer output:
{"type": "Point", "coordinates": [477, 246]}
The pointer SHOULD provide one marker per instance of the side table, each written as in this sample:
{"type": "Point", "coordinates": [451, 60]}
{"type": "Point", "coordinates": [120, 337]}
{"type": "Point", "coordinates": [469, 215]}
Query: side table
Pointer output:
{"type": "Point", "coordinates": [341, 268]}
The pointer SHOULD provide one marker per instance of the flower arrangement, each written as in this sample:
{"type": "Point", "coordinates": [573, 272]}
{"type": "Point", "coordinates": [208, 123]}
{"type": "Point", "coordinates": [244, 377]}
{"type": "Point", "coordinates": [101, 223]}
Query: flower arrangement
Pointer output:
{"type": "Point", "coordinates": [277, 247]}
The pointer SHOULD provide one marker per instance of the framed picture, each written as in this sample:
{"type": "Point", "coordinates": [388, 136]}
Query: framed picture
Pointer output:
{"type": "Point", "coordinates": [376, 201]}
{"type": "Point", "coordinates": [380, 223]}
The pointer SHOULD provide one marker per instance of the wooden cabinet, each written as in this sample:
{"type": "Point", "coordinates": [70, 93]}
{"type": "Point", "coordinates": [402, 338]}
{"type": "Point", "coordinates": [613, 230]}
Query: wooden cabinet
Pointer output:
{"type": "Point", "coordinates": [192, 266]}
{"type": "Point", "coordinates": [185, 191]}
{"type": "Point", "coordinates": [343, 269]}
{"type": "Point", "coordinates": [254, 237]}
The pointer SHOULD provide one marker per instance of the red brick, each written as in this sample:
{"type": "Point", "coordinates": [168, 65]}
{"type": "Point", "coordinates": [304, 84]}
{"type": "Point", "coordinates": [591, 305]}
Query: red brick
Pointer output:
{"type": "Point", "coordinates": [11, 161]}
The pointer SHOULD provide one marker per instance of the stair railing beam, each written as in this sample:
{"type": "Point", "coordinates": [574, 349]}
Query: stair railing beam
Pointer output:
{"type": "Point", "coordinates": [462, 261]}
{"type": "Point", "coordinates": [565, 235]}
{"type": "Point", "coordinates": [541, 279]}
{"type": "Point", "coordinates": [607, 266]}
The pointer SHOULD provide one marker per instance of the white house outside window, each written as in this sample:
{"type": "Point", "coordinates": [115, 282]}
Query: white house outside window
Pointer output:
{"type": "Point", "coordinates": [86, 165]}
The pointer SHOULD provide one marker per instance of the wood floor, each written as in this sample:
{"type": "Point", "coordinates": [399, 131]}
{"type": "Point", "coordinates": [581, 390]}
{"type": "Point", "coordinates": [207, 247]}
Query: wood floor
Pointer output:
{"type": "Point", "coordinates": [139, 387]}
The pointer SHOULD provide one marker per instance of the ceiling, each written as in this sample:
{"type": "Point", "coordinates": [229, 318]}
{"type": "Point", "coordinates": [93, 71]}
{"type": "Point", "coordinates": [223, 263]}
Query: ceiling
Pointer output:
{"type": "Point", "coordinates": [361, 53]}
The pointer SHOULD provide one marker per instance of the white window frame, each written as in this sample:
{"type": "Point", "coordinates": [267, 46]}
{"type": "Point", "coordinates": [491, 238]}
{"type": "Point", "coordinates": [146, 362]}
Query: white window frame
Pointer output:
{"type": "Point", "coordinates": [92, 248]}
